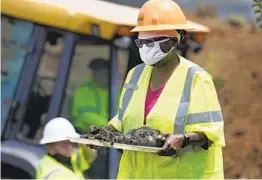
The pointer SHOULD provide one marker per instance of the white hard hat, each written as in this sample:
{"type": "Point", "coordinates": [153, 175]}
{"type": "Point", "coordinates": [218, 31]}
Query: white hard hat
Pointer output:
{"type": "Point", "coordinates": [58, 129]}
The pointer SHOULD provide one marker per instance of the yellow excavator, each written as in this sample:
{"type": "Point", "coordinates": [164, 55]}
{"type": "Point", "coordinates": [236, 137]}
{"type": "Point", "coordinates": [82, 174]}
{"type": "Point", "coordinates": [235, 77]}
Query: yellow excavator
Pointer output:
{"type": "Point", "coordinates": [46, 45]}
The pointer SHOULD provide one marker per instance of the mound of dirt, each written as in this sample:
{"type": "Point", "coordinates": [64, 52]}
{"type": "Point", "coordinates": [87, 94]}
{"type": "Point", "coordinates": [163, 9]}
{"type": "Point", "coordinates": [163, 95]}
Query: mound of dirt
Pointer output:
{"type": "Point", "coordinates": [237, 62]}
{"type": "Point", "coordinates": [143, 136]}
{"type": "Point", "coordinates": [102, 133]}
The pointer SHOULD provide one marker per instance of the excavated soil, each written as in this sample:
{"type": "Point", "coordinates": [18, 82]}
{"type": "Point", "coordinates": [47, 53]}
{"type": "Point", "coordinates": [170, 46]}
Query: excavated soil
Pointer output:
{"type": "Point", "coordinates": [237, 56]}
{"type": "Point", "coordinates": [143, 136]}
{"type": "Point", "coordinates": [102, 133]}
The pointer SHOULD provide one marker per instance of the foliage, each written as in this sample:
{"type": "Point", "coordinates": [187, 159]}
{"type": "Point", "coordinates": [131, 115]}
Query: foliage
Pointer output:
{"type": "Point", "coordinates": [257, 5]}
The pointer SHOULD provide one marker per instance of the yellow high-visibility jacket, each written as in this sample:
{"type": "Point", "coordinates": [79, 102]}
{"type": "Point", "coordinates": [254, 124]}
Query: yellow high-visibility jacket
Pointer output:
{"type": "Point", "coordinates": [81, 160]}
{"type": "Point", "coordinates": [89, 106]}
{"type": "Point", "coordinates": [188, 103]}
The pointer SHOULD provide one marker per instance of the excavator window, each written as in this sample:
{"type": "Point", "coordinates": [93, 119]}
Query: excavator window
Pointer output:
{"type": "Point", "coordinates": [42, 88]}
{"type": "Point", "coordinates": [15, 37]}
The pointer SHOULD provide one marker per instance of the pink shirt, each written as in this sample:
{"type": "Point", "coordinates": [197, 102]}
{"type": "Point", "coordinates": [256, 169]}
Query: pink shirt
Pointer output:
{"type": "Point", "coordinates": [151, 99]}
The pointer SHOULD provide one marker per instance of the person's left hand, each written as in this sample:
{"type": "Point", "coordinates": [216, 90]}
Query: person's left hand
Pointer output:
{"type": "Point", "coordinates": [173, 143]}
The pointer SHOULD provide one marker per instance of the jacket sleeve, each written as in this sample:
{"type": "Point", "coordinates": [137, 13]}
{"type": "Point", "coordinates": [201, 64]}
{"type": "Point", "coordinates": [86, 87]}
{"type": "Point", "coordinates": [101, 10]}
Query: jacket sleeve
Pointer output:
{"type": "Point", "coordinates": [116, 123]}
{"type": "Point", "coordinates": [84, 116]}
{"type": "Point", "coordinates": [89, 118]}
{"type": "Point", "coordinates": [204, 113]}
{"type": "Point", "coordinates": [83, 157]}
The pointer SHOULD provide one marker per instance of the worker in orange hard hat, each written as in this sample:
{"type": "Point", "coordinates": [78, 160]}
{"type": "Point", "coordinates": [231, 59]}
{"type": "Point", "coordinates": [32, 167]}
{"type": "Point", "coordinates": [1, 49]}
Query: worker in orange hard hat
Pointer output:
{"type": "Point", "coordinates": [173, 95]}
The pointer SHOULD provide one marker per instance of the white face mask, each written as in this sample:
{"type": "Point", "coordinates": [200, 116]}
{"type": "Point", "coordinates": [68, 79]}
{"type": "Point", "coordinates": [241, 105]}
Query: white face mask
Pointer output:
{"type": "Point", "coordinates": [152, 55]}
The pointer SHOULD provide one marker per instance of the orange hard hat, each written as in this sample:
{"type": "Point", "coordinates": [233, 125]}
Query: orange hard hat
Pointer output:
{"type": "Point", "coordinates": [159, 15]}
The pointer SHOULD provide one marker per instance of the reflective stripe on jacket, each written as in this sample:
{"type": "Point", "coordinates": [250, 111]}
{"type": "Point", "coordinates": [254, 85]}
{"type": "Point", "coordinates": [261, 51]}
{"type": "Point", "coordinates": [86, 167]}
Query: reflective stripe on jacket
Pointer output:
{"type": "Point", "coordinates": [81, 160]}
{"type": "Point", "coordinates": [188, 103]}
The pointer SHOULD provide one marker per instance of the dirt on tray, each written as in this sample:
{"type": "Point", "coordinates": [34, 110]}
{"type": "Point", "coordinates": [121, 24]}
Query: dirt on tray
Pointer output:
{"type": "Point", "coordinates": [102, 133]}
{"type": "Point", "coordinates": [143, 136]}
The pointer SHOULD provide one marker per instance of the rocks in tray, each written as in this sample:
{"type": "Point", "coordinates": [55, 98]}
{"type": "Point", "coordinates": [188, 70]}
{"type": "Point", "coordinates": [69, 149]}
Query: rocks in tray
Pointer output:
{"type": "Point", "coordinates": [102, 133]}
{"type": "Point", "coordinates": [143, 136]}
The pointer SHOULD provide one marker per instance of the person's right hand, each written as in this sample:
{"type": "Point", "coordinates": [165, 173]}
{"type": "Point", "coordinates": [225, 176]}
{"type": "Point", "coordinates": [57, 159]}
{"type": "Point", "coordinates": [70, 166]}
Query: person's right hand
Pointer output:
{"type": "Point", "coordinates": [172, 145]}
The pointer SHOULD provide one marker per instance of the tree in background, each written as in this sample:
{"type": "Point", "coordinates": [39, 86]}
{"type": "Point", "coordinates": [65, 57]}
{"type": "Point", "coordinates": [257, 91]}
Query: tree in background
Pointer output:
{"type": "Point", "coordinates": [257, 5]}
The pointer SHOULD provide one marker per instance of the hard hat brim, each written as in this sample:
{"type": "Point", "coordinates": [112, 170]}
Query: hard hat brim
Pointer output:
{"type": "Point", "coordinates": [198, 27]}
{"type": "Point", "coordinates": [57, 139]}
{"type": "Point", "coordinates": [162, 27]}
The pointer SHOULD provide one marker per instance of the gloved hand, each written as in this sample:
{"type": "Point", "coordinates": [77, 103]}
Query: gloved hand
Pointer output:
{"type": "Point", "coordinates": [173, 144]}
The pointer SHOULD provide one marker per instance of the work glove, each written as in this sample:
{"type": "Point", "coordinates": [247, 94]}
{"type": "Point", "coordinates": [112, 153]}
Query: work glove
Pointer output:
{"type": "Point", "coordinates": [172, 144]}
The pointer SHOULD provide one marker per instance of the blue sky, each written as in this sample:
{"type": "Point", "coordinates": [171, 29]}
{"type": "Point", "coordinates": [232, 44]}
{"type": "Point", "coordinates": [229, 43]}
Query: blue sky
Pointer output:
{"type": "Point", "coordinates": [224, 7]}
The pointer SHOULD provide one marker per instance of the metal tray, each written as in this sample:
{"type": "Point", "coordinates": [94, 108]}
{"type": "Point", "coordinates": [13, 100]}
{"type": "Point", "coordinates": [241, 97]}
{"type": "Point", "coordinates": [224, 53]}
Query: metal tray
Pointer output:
{"type": "Point", "coordinates": [114, 145]}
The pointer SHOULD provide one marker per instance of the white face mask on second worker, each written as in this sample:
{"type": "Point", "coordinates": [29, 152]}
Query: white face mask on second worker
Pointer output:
{"type": "Point", "coordinates": [152, 55]}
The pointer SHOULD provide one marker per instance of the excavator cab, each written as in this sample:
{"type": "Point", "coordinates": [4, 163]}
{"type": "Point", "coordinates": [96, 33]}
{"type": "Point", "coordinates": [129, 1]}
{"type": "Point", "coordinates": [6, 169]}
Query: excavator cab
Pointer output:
{"type": "Point", "coordinates": [45, 57]}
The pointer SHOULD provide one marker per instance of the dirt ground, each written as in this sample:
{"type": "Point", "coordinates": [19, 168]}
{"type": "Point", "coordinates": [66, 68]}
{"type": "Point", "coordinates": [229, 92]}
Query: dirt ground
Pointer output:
{"type": "Point", "coordinates": [235, 57]}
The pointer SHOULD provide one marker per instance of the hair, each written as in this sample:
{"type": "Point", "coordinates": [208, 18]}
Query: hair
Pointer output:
{"type": "Point", "coordinates": [99, 63]}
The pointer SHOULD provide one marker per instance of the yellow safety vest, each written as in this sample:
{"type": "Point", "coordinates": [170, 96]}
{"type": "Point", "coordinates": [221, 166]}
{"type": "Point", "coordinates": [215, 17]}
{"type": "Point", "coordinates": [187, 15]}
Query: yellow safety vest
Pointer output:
{"type": "Point", "coordinates": [188, 103]}
{"type": "Point", "coordinates": [89, 106]}
{"type": "Point", "coordinates": [49, 168]}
